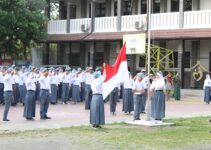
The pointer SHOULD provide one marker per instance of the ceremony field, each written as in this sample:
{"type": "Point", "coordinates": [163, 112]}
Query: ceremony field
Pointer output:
{"type": "Point", "coordinates": [188, 134]}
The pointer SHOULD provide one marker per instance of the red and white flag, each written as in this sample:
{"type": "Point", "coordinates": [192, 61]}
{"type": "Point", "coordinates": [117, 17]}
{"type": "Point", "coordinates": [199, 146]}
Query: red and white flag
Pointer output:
{"type": "Point", "coordinates": [117, 73]}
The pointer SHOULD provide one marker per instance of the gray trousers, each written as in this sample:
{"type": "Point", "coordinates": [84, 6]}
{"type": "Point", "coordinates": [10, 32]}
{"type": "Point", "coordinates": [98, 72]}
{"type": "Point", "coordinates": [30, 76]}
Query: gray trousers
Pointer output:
{"type": "Point", "coordinates": [1, 93]}
{"type": "Point", "coordinates": [54, 89]}
{"type": "Point", "coordinates": [44, 102]}
{"type": "Point", "coordinates": [138, 99]}
{"type": "Point", "coordinates": [113, 99]}
{"type": "Point", "coordinates": [22, 92]}
{"type": "Point", "coordinates": [65, 92]}
{"type": "Point", "coordinates": [8, 95]}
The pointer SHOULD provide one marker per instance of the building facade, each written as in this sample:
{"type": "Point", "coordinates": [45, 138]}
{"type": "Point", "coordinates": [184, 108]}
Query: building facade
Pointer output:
{"type": "Point", "coordinates": [90, 32]}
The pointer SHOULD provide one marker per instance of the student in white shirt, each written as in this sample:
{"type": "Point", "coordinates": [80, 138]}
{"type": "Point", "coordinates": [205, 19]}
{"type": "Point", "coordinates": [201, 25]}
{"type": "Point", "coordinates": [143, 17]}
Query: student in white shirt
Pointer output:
{"type": "Point", "coordinates": [45, 92]}
{"type": "Point", "coordinates": [207, 88]}
{"type": "Point", "coordinates": [138, 90]}
{"type": "Point", "coordinates": [128, 102]}
{"type": "Point", "coordinates": [97, 115]}
{"type": "Point", "coordinates": [158, 97]}
{"type": "Point", "coordinates": [88, 91]}
{"type": "Point", "coordinates": [8, 92]}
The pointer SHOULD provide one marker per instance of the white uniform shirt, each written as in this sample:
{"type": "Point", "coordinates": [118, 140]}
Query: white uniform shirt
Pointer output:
{"type": "Point", "coordinates": [19, 79]}
{"type": "Point", "coordinates": [66, 78]}
{"type": "Point", "coordinates": [97, 85]}
{"type": "Point", "coordinates": [8, 81]}
{"type": "Point", "coordinates": [30, 83]}
{"type": "Point", "coordinates": [1, 78]}
{"type": "Point", "coordinates": [89, 78]}
{"type": "Point", "coordinates": [54, 79]}
{"type": "Point", "coordinates": [128, 84]}
{"type": "Point", "coordinates": [44, 83]}
{"type": "Point", "coordinates": [76, 81]}
{"type": "Point", "coordinates": [138, 86]}
{"type": "Point", "coordinates": [145, 82]}
{"type": "Point", "coordinates": [158, 84]}
{"type": "Point", "coordinates": [207, 82]}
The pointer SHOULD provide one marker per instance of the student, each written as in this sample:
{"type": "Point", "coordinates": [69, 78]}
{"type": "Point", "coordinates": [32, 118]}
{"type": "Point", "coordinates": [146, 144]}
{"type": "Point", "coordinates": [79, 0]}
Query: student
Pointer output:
{"type": "Point", "coordinates": [158, 97]}
{"type": "Point", "coordinates": [44, 94]}
{"type": "Point", "coordinates": [97, 115]}
{"type": "Point", "coordinates": [8, 92]}
{"type": "Point", "coordinates": [206, 87]}
{"type": "Point", "coordinates": [128, 102]}
{"type": "Point", "coordinates": [138, 90]}
{"type": "Point", "coordinates": [30, 103]}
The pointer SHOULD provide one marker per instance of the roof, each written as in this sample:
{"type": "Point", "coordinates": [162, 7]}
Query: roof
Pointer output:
{"type": "Point", "coordinates": [111, 36]}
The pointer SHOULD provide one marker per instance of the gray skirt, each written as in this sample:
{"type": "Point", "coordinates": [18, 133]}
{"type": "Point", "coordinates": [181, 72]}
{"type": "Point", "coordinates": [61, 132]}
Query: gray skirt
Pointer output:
{"type": "Point", "coordinates": [207, 94]}
{"type": "Point", "coordinates": [158, 105]}
{"type": "Point", "coordinates": [76, 94]}
{"type": "Point", "coordinates": [97, 115]}
{"type": "Point", "coordinates": [29, 106]}
{"type": "Point", "coordinates": [128, 102]}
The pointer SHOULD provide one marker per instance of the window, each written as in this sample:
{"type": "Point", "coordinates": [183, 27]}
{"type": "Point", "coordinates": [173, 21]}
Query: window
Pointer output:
{"type": "Point", "coordinates": [186, 60]}
{"type": "Point", "coordinates": [174, 5]}
{"type": "Point", "coordinates": [156, 6]}
{"type": "Point", "coordinates": [175, 59]}
{"type": "Point", "coordinates": [72, 11]}
{"type": "Point", "coordinates": [115, 8]}
{"type": "Point", "coordinates": [187, 5]}
{"type": "Point", "coordinates": [143, 6]}
{"type": "Point", "coordinates": [101, 8]}
{"type": "Point", "coordinates": [99, 58]}
{"type": "Point", "coordinates": [142, 61]}
{"type": "Point", "coordinates": [75, 59]}
{"type": "Point", "coordinates": [127, 7]}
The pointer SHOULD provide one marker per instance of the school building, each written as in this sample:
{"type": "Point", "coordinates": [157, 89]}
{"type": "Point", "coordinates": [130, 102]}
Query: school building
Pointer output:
{"type": "Point", "coordinates": [90, 32]}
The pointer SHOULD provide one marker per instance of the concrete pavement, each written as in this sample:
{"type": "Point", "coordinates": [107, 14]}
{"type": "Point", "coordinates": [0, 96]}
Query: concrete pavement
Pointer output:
{"type": "Point", "coordinates": [74, 114]}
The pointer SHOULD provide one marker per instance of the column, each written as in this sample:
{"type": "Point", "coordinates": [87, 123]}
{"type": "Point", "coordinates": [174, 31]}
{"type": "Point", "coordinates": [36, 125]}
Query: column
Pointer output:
{"type": "Point", "coordinates": [92, 16]}
{"type": "Point", "coordinates": [134, 7]}
{"type": "Point", "coordinates": [163, 6]}
{"type": "Point", "coordinates": [61, 10]}
{"type": "Point", "coordinates": [48, 9]}
{"type": "Point", "coordinates": [106, 52]}
{"type": "Point", "coordinates": [119, 14]}
{"type": "Point", "coordinates": [82, 54]}
{"type": "Point", "coordinates": [68, 17]}
{"type": "Point", "coordinates": [181, 13]}
{"type": "Point", "coordinates": [91, 56]}
{"type": "Point", "coordinates": [46, 54]}
{"type": "Point", "coordinates": [179, 59]}
{"type": "Point", "coordinates": [108, 8]}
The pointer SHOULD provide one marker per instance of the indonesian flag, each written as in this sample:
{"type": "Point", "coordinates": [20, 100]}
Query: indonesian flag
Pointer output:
{"type": "Point", "coordinates": [117, 73]}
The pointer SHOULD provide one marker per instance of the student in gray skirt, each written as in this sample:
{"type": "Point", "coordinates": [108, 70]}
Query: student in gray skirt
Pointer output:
{"type": "Point", "coordinates": [97, 115]}
{"type": "Point", "coordinates": [158, 97]}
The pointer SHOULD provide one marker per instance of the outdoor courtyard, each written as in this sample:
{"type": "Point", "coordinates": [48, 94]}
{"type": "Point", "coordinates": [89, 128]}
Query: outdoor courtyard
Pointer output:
{"type": "Point", "coordinates": [69, 128]}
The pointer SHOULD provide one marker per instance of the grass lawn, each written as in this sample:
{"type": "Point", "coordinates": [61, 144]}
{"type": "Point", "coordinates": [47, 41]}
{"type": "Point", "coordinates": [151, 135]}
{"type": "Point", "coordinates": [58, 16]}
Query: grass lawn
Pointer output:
{"type": "Point", "coordinates": [187, 133]}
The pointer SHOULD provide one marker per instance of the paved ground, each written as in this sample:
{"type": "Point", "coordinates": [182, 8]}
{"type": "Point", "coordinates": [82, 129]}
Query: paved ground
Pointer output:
{"type": "Point", "coordinates": [74, 115]}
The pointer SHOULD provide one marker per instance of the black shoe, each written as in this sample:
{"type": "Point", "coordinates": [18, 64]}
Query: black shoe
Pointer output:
{"type": "Point", "coordinates": [47, 117]}
{"type": "Point", "coordinates": [210, 120]}
{"type": "Point", "coordinates": [6, 120]}
{"type": "Point", "coordinates": [43, 118]}
{"type": "Point", "coordinates": [29, 118]}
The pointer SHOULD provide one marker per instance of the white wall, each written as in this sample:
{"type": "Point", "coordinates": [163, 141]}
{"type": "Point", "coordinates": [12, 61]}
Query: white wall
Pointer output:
{"type": "Point", "coordinates": [205, 4]}
{"type": "Point", "coordinates": [205, 48]}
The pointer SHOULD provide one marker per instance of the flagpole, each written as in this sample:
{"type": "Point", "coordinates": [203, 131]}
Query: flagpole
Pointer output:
{"type": "Point", "coordinates": [148, 58]}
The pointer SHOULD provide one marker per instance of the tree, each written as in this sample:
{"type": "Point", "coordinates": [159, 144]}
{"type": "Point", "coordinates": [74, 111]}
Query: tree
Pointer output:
{"type": "Point", "coordinates": [22, 25]}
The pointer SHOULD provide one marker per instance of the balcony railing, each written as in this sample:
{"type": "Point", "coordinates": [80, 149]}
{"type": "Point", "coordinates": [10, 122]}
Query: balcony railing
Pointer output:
{"type": "Point", "coordinates": [57, 27]}
{"type": "Point", "coordinates": [192, 19]}
{"type": "Point", "coordinates": [197, 19]}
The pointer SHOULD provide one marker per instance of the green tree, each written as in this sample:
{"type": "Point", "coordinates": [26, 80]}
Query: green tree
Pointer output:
{"type": "Point", "coordinates": [22, 25]}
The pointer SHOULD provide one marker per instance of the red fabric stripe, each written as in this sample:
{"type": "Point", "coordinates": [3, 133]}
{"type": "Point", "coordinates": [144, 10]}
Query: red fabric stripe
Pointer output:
{"type": "Point", "coordinates": [112, 70]}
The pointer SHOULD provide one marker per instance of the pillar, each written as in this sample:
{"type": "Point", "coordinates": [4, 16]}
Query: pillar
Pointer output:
{"type": "Point", "coordinates": [181, 13]}
{"type": "Point", "coordinates": [91, 56]}
{"type": "Point", "coordinates": [61, 10]}
{"type": "Point", "coordinates": [179, 59]}
{"type": "Point", "coordinates": [106, 52]}
{"type": "Point", "coordinates": [119, 14]}
{"type": "Point", "coordinates": [108, 8]}
{"type": "Point", "coordinates": [92, 16]}
{"type": "Point", "coordinates": [82, 54]}
{"type": "Point", "coordinates": [68, 17]}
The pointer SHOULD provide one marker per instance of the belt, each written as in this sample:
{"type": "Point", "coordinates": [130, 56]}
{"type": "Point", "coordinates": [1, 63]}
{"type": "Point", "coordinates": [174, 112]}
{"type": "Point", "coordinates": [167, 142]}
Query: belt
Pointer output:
{"type": "Point", "coordinates": [159, 90]}
{"type": "Point", "coordinates": [44, 89]}
{"type": "Point", "coordinates": [97, 94]}
{"type": "Point", "coordinates": [30, 90]}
